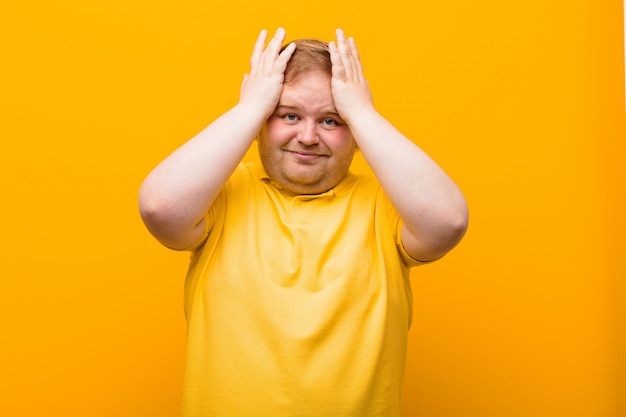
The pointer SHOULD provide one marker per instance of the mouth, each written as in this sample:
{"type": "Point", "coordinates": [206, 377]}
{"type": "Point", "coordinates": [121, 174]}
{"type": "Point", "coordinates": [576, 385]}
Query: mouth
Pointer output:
{"type": "Point", "coordinates": [305, 156]}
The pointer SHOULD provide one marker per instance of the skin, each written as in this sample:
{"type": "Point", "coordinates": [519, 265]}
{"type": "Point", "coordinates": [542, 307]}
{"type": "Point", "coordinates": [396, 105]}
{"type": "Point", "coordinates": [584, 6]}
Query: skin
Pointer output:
{"type": "Point", "coordinates": [304, 152]}
{"type": "Point", "coordinates": [305, 146]}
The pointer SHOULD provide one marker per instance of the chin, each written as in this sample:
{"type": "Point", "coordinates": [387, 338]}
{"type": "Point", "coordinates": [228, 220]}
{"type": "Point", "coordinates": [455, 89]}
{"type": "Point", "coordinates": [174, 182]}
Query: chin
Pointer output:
{"type": "Point", "coordinates": [308, 187]}
{"type": "Point", "coordinates": [299, 188]}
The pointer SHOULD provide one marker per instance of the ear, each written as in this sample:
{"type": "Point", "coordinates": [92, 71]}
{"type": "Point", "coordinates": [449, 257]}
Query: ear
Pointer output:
{"type": "Point", "coordinates": [356, 146]}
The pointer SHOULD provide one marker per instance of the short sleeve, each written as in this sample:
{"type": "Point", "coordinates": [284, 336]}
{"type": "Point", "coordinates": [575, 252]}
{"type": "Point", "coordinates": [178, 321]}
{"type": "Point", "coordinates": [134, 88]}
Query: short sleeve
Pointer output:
{"type": "Point", "coordinates": [396, 225]}
{"type": "Point", "coordinates": [211, 219]}
{"type": "Point", "coordinates": [408, 259]}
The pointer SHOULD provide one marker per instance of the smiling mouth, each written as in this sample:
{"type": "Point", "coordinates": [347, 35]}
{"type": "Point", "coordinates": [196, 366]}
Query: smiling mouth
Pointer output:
{"type": "Point", "coordinates": [307, 156]}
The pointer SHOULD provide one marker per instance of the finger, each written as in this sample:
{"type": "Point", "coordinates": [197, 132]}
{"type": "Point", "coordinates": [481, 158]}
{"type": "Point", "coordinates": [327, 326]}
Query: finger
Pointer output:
{"type": "Point", "coordinates": [335, 60]}
{"type": "Point", "coordinates": [344, 53]}
{"type": "Point", "coordinates": [355, 56]}
{"type": "Point", "coordinates": [269, 56]}
{"type": "Point", "coordinates": [259, 45]}
{"type": "Point", "coordinates": [350, 56]}
{"type": "Point", "coordinates": [353, 49]}
{"type": "Point", "coordinates": [285, 55]}
{"type": "Point", "coordinates": [277, 41]}
{"type": "Point", "coordinates": [341, 37]}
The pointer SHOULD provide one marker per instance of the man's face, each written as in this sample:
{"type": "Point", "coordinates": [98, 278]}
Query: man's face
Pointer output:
{"type": "Point", "coordinates": [305, 146]}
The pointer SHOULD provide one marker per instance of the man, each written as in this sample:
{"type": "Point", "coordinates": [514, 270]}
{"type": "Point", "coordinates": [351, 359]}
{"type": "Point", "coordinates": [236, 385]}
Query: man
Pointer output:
{"type": "Point", "coordinates": [298, 297]}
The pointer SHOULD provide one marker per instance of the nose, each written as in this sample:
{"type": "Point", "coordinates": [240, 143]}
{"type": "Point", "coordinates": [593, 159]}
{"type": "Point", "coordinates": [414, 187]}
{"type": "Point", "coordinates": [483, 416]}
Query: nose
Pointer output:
{"type": "Point", "coordinates": [308, 134]}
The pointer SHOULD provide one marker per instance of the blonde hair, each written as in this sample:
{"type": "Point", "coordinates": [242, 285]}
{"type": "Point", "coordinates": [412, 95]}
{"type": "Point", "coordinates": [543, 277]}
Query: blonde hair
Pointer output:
{"type": "Point", "coordinates": [310, 55]}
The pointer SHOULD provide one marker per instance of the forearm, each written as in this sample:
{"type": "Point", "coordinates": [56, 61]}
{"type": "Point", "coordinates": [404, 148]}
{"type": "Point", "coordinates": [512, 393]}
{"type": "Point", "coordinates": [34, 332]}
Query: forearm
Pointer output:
{"type": "Point", "coordinates": [430, 204]}
{"type": "Point", "coordinates": [176, 195]}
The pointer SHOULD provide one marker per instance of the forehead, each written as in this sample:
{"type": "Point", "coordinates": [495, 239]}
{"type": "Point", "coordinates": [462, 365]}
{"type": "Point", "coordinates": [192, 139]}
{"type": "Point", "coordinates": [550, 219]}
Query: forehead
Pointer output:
{"type": "Point", "coordinates": [310, 90]}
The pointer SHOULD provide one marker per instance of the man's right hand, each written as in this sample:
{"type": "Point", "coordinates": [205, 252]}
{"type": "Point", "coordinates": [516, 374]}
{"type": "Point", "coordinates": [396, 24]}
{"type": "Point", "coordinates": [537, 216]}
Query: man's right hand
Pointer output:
{"type": "Point", "coordinates": [261, 88]}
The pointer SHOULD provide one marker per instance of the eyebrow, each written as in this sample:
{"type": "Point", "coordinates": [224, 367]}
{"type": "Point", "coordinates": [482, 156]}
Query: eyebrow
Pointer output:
{"type": "Point", "coordinates": [325, 110]}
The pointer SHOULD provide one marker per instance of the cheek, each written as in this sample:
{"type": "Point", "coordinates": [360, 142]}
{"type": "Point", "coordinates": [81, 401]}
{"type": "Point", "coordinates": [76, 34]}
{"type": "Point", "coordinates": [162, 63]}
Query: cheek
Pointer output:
{"type": "Point", "coordinates": [341, 142]}
{"type": "Point", "coordinates": [275, 130]}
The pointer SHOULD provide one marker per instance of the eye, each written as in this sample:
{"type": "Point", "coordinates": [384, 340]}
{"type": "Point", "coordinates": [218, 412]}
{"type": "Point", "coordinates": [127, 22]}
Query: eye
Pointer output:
{"type": "Point", "coordinates": [290, 117]}
{"type": "Point", "coordinates": [330, 123]}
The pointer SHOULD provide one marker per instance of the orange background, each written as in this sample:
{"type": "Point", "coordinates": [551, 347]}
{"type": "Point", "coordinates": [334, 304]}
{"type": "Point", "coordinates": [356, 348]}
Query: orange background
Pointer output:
{"type": "Point", "coordinates": [522, 102]}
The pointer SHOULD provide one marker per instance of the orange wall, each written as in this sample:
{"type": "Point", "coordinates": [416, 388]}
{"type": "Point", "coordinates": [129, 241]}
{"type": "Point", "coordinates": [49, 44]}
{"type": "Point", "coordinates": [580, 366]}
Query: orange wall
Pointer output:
{"type": "Point", "coordinates": [521, 102]}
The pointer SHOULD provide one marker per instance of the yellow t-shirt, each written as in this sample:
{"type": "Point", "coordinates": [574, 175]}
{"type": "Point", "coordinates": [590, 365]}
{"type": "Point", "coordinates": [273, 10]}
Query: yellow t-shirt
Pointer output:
{"type": "Point", "coordinates": [297, 305]}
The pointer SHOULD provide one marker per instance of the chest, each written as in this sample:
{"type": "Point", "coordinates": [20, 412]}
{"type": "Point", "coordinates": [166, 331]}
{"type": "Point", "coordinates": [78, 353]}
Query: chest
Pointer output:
{"type": "Point", "coordinates": [301, 241]}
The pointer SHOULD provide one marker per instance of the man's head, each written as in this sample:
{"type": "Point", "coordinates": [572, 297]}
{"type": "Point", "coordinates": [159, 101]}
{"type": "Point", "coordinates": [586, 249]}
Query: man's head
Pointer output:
{"type": "Point", "coordinates": [305, 146]}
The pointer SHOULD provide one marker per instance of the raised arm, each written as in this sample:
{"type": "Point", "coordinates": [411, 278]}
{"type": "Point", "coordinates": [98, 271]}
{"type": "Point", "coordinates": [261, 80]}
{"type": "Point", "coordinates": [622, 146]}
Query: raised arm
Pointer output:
{"type": "Point", "coordinates": [430, 204]}
{"type": "Point", "coordinates": [177, 194]}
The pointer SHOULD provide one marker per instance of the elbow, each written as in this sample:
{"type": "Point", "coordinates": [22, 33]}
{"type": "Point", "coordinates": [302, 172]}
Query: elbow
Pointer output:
{"type": "Point", "coordinates": [152, 209]}
{"type": "Point", "coordinates": [459, 229]}
{"type": "Point", "coordinates": [449, 229]}
{"type": "Point", "coordinates": [167, 221]}
{"type": "Point", "coordinates": [157, 218]}
{"type": "Point", "coordinates": [433, 238]}
{"type": "Point", "coordinates": [456, 225]}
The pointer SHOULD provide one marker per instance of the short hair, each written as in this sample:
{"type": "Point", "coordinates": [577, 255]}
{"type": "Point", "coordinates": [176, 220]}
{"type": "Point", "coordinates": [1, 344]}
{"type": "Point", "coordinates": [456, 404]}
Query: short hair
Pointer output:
{"type": "Point", "coordinates": [311, 55]}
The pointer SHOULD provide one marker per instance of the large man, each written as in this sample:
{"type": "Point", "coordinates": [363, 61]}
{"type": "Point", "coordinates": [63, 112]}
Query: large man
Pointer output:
{"type": "Point", "coordinates": [298, 297]}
